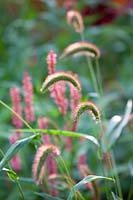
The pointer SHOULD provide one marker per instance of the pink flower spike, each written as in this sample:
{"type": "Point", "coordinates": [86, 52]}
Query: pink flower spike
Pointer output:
{"type": "Point", "coordinates": [16, 163]}
{"type": "Point", "coordinates": [16, 106]}
{"type": "Point", "coordinates": [28, 98]}
{"type": "Point", "coordinates": [14, 137]}
{"type": "Point", "coordinates": [58, 89]}
{"type": "Point", "coordinates": [43, 124]}
{"type": "Point", "coordinates": [51, 61]}
{"type": "Point", "coordinates": [58, 94]}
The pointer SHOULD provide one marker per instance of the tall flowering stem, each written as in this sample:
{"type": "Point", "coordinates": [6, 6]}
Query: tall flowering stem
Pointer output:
{"type": "Point", "coordinates": [28, 98]}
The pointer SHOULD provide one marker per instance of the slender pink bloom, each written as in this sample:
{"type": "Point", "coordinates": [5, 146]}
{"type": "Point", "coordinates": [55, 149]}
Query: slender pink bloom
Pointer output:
{"type": "Point", "coordinates": [50, 162]}
{"type": "Point", "coordinates": [16, 106]}
{"type": "Point", "coordinates": [58, 89]}
{"type": "Point", "coordinates": [51, 61]}
{"type": "Point", "coordinates": [43, 124]}
{"type": "Point", "coordinates": [75, 95]}
{"type": "Point", "coordinates": [15, 161]}
{"type": "Point", "coordinates": [15, 97]}
{"type": "Point", "coordinates": [52, 170]}
{"type": "Point", "coordinates": [49, 166]}
{"type": "Point", "coordinates": [82, 163]}
{"type": "Point", "coordinates": [58, 94]}
{"type": "Point", "coordinates": [28, 98]}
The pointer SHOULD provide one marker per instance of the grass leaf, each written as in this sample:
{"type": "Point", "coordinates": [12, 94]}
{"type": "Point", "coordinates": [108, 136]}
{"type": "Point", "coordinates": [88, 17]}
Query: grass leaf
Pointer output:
{"type": "Point", "coordinates": [15, 148]}
{"type": "Point", "coordinates": [87, 179]}
{"type": "Point", "coordinates": [47, 196]}
{"type": "Point", "coordinates": [117, 132]}
{"type": "Point", "coordinates": [115, 197]}
{"type": "Point", "coordinates": [65, 133]}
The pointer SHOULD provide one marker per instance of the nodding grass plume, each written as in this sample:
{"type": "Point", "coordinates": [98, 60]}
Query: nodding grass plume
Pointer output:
{"type": "Point", "coordinates": [74, 18]}
{"type": "Point", "coordinates": [87, 106]}
{"type": "Point", "coordinates": [59, 76]}
{"type": "Point", "coordinates": [38, 169]}
{"type": "Point", "coordinates": [79, 49]}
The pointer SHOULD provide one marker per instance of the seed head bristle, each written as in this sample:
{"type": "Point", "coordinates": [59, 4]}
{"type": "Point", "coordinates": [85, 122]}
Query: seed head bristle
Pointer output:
{"type": "Point", "coordinates": [89, 107]}
{"type": "Point", "coordinates": [74, 18]}
{"type": "Point", "coordinates": [38, 164]}
{"type": "Point", "coordinates": [59, 76]}
{"type": "Point", "coordinates": [81, 48]}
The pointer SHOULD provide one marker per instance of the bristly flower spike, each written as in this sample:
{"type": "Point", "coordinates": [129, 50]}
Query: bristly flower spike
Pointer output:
{"type": "Point", "coordinates": [43, 124]}
{"type": "Point", "coordinates": [15, 161]}
{"type": "Point", "coordinates": [60, 76]}
{"type": "Point", "coordinates": [45, 153]}
{"type": "Point", "coordinates": [74, 18]}
{"type": "Point", "coordinates": [57, 91]}
{"type": "Point", "coordinates": [87, 106]}
{"type": "Point", "coordinates": [75, 94]}
{"type": "Point", "coordinates": [79, 49]}
{"type": "Point", "coordinates": [51, 61]}
{"type": "Point", "coordinates": [16, 101]}
{"type": "Point", "coordinates": [28, 98]}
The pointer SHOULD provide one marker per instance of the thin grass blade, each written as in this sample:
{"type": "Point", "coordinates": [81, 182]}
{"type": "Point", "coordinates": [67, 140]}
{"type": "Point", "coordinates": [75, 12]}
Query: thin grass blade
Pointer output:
{"type": "Point", "coordinates": [65, 133]}
{"type": "Point", "coordinates": [87, 179]}
{"type": "Point", "coordinates": [117, 132]}
{"type": "Point", "coordinates": [15, 148]}
{"type": "Point", "coordinates": [47, 196]}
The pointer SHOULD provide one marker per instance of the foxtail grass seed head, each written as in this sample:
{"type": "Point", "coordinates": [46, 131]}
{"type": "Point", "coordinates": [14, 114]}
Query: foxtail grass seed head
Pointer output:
{"type": "Point", "coordinates": [87, 106]}
{"type": "Point", "coordinates": [59, 76]}
{"type": "Point", "coordinates": [74, 19]}
{"type": "Point", "coordinates": [39, 161]}
{"type": "Point", "coordinates": [51, 61]}
{"type": "Point", "coordinates": [81, 48]}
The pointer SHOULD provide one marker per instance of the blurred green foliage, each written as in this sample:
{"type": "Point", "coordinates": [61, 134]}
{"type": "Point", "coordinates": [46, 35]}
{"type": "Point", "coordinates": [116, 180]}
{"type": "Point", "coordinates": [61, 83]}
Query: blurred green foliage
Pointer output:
{"type": "Point", "coordinates": [27, 33]}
